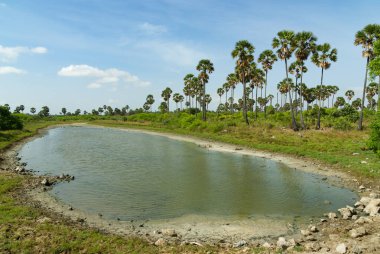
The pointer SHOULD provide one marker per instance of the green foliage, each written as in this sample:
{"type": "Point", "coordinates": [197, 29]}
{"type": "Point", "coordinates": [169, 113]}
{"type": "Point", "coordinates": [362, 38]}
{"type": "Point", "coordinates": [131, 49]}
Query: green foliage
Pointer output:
{"type": "Point", "coordinates": [343, 124]}
{"type": "Point", "coordinates": [9, 121]}
{"type": "Point", "coordinates": [374, 140]}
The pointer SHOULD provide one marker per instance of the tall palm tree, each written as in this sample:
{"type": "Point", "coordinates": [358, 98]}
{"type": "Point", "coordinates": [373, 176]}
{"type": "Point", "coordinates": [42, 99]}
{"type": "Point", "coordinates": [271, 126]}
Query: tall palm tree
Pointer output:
{"type": "Point", "coordinates": [305, 45]}
{"type": "Point", "coordinates": [296, 69]}
{"type": "Point", "coordinates": [226, 88]}
{"type": "Point", "coordinates": [267, 59]}
{"type": "Point", "coordinates": [349, 94]}
{"type": "Point", "coordinates": [205, 67]}
{"type": "Point", "coordinates": [166, 94]}
{"type": "Point", "coordinates": [371, 92]}
{"type": "Point", "coordinates": [285, 45]}
{"type": "Point", "coordinates": [366, 38]}
{"type": "Point", "coordinates": [176, 99]}
{"type": "Point", "coordinates": [220, 92]}
{"type": "Point", "coordinates": [257, 79]}
{"type": "Point", "coordinates": [322, 57]}
{"type": "Point", "coordinates": [243, 53]}
{"type": "Point", "coordinates": [232, 80]}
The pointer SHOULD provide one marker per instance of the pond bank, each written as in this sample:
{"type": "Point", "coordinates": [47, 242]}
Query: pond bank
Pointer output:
{"type": "Point", "coordinates": [186, 230]}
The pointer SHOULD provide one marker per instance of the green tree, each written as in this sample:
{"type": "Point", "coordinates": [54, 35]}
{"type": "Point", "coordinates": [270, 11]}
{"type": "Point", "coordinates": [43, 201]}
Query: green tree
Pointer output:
{"type": "Point", "coordinates": [64, 111]}
{"type": "Point", "coordinates": [33, 110]}
{"type": "Point", "coordinates": [322, 57]}
{"type": "Point", "coordinates": [285, 45]}
{"type": "Point", "coordinates": [220, 92]}
{"type": "Point", "coordinates": [166, 94]}
{"type": "Point", "coordinates": [267, 59]}
{"type": "Point", "coordinates": [374, 69]}
{"type": "Point", "coordinates": [232, 81]}
{"type": "Point", "coordinates": [366, 38]}
{"type": "Point", "coordinates": [243, 53]}
{"type": "Point", "coordinates": [9, 121]}
{"type": "Point", "coordinates": [349, 94]}
{"type": "Point", "coordinates": [205, 67]}
{"type": "Point", "coordinates": [44, 112]}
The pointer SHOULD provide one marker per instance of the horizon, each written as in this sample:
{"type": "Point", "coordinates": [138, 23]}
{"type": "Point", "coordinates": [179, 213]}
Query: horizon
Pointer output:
{"type": "Point", "coordinates": [84, 54]}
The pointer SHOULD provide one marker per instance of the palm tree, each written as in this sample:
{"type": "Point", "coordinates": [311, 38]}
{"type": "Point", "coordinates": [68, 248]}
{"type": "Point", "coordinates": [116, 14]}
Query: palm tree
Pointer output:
{"type": "Point", "coordinates": [166, 94]}
{"type": "Point", "coordinates": [285, 42]}
{"type": "Point", "coordinates": [296, 69]}
{"type": "Point", "coordinates": [226, 87]}
{"type": "Point", "coordinates": [267, 59]}
{"type": "Point", "coordinates": [243, 53]}
{"type": "Point", "coordinates": [181, 98]}
{"type": "Point", "coordinates": [366, 38]}
{"type": "Point", "coordinates": [220, 92]}
{"type": "Point", "coordinates": [33, 110]}
{"type": "Point", "coordinates": [63, 110]}
{"type": "Point", "coordinates": [333, 90]}
{"type": "Point", "coordinates": [305, 45]}
{"type": "Point", "coordinates": [371, 92]}
{"type": "Point", "coordinates": [257, 79]}
{"type": "Point", "coordinates": [205, 67]}
{"type": "Point", "coordinates": [270, 98]}
{"type": "Point", "coordinates": [232, 81]}
{"type": "Point", "coordinates": [340, 101]}
{"type": "Point", "coordinates": [321, 58]}
{"type": "Point", "coordinates": [176, 99]}
{"type": "Point", "coordinates": [350, 94]}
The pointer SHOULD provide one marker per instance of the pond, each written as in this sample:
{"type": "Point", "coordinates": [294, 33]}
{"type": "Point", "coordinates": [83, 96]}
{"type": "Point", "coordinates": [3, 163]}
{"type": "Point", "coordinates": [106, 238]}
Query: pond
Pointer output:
{"type": "Point", "coordinates": [134, 176]}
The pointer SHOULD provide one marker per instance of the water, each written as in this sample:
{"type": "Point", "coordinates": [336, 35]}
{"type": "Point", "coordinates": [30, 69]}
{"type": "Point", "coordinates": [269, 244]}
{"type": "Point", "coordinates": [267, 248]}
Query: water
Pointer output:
{"type": "Point", "coordinates": [131, 175]}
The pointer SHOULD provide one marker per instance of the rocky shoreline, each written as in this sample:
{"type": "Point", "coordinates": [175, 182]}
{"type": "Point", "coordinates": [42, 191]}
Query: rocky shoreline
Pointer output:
{"type": "Point", "coordinates": [349, 230]}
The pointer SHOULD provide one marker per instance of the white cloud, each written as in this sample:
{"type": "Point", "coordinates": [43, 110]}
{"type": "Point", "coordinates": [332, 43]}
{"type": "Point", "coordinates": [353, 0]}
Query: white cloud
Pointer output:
{"type": "Point", "coordinates": [10, 54]}
{"type": "Point", "coordinates": [174, 52]}
{"type": "Point", "coordinates": [10, 70]}
{"type": "Point", "coordinates": [111, 76]}
{"type": "Point", "coordinates": [151, 29]}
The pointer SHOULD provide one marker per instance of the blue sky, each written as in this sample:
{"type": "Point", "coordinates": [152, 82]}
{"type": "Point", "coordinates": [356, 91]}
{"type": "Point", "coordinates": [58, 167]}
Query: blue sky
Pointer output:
{"type": "Point", "coordinates": [87, 53]}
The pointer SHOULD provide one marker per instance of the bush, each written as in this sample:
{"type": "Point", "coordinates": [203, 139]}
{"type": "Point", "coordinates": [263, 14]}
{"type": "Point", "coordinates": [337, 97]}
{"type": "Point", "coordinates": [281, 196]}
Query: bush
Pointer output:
{"type": "Point", "coordinates": [342, 123]}
{"type": "Point", "coordinates": [9, 121]}
{"type": "Point", "coordinates": [374, 140]}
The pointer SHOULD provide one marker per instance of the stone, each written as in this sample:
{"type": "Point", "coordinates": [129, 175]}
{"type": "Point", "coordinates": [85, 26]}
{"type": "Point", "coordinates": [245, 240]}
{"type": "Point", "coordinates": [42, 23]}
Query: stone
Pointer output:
{"type": "Point", "coordinates": [363, 220]}
{"type": "Point", "coordinates": [313, 228]}
{"type": "Point", "coordinates": [281, 243]}
{"type": "Point", "coordinates": [43, 220]}
{"type": "Point", "coordinates": [332, 215]}
{"type": "Point", "coordinates": [363, 162]}
{"type": "Point", "coordinates": [266, 245]}
{"type": "Point", "coordinates": [333, 237]}
{"type": "Point", "coordinates": [365, 200]}
{"type": "Point", "coordinates": [345, 212]}
{"type": "Point", "coordinates": [314, 246]}
{"type": "Point", "coordinates": [45, 182]}
{"type": "Point", "coordinates": [341, 248]}
{"type": "Point", "coordinates": [239, 244]}
{"type": "Point", "coordinates": [361, 187]}
{"type": "Point", "coordinates": [358, 203]}
{"type": "Point", "coordinates": [305, 232]}
{"type": "Point", "coordinates": [358, 232]}
{"type": "Point", "coordinates": [323, 220]}
{"type": "Point", "coordinates": [292, 242]}
{"type": "Point", "coordinates": [354, 217]}
{"type": "Point", "coordinates": [160, 242]}
{"type": "Point", "coordinates": [169, 232]}
{"type": "Point", "coordinates": [374, 195]}
{"type": "Point", "coordinates": [373, 207]}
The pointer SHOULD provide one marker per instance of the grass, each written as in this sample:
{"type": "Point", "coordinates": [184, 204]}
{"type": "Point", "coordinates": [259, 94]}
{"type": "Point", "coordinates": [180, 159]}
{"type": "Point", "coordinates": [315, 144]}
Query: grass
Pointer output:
{"type": "Point", "coordinates": [20, 231]}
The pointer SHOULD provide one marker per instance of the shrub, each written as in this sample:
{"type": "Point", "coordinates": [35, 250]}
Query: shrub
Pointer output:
{"type": "Point", "coordinates": [9, 121]}
{"type": "Point", "coordinates": [342, 123]}
{"type": "Point", "coordinates": [374, 140]}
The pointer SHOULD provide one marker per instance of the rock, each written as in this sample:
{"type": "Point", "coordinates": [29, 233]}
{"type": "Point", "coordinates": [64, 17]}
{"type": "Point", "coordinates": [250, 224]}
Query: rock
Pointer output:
{"type": "Point", "coordinates": [363, 162]}
{"type": "Point", "coordinates": [240, 244]}
{"type": "Point", "coordinates": [70, 208]}
{"type": "Point", "coordinates": [361, 187]}
{"type": "Point", "coordinates": [357, 204]}
{"type": "Point", "coordinates": [312, 246]}
{"type": "Point", "coordinates": [45, 182]}
{"type": "Point", "coordinates": [266, 245]}
{"type": "Point", "coordinates": [357, 250]}
{"type": "Point", "coordinates": [363, 220]}
{"type": "Point", "coordinates": [345, 212]}
{"type": "Point", "coordinates": [311, 238]}
{"type": "Point", "coordinates": [341, 248]}
{"type": "Point", "coordinates": [354, 217]}
{"type": "Point", "coordinates": [358, 232]}
{"type": "Point", "coordinates": [160, 242]}
{"type": "Point", "coordinates": [281, 243]}
{"type": "Point", "coordinates": [169, 232]}
{"type": "Point", "coordinates": [355, 154]}
{"type": "Point", "coordinates": [305, 232]}
{"type": "Point", "coordinates": [365, 200]}
{"type": "Point", "coordinates": [373, 207]}
{"type": "Point", "coordinates": [72, 178]}
{"type": "Point", "coordinates": [332, 215]}
{"type": "Point", "coordinates": [323, 220]}
{"type": "Point", "coordinates": [196, 243]}
{"type": "Point", "coordinates": [313, 228]}
{"type": "Point", "coordinates": [352, 210]}
{"type": "Point", "coordinates": [292, 242]}
{"type": "Point", "coordinates": [333, 237]}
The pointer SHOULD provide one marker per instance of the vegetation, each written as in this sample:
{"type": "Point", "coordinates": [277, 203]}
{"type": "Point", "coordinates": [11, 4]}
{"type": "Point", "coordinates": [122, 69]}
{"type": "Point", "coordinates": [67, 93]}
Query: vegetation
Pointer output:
{"type": "Point", "coordinates": [9, 121]}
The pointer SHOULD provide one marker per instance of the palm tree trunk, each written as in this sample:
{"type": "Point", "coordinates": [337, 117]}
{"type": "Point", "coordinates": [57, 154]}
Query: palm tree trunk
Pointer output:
{"type": "Point", "coordinates": [295, 95]}
{"type": "Point", "coordinates": [245, 102]}
{"type": "Point", "coordinates": [301, 108]}
{"type": "Point", "coordinates": [294, 123]}
{"type": "Point", "coordinates": [232, 101]}
{"type": "Point", "coordinates": [256, 104]}
{"type": "Point", "coordinates": [319, 108]}
{"type": "Point", "coordinates": [265, 93]}
{"type": "Point", "coordinates": [378, 96]}
{"type": "Point", "coordinates": [360, 124]}
{"type": "Point", "coordinates": [204, 102]}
